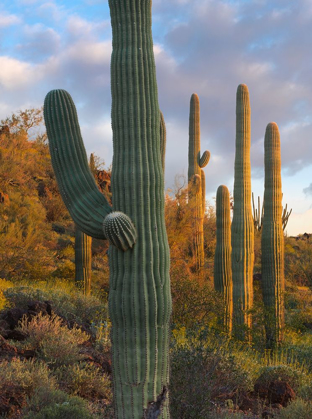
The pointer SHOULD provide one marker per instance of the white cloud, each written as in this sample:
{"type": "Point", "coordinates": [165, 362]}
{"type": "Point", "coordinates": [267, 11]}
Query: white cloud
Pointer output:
{"type": "Point", "coordinates": [15, 74]}
{"type": "Point", "coordinates": [8, 20]}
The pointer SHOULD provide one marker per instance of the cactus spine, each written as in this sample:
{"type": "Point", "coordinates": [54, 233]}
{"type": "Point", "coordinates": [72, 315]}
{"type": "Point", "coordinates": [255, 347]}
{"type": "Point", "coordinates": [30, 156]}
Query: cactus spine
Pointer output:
{"type": "Point", "coordinates": [222, 262]}
{"type": "Point", "coordinates": [139, 297]}
{"type": "Point", "coordinates": [242, 223]}
{"type": "Point", "coordinates": [196, 181]}
{"type": "Point", "coordinates": [83, 256]}
{"type": "Point", "coordinates": [272, 239]}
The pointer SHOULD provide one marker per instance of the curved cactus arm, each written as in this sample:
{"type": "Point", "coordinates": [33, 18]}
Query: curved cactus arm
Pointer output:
{"type": "Point", "coordinates": [163, 140]}
{"type": "Point", "coordinates": [86, 205]}
{"type": "Point", "coordinates": [204, 160]}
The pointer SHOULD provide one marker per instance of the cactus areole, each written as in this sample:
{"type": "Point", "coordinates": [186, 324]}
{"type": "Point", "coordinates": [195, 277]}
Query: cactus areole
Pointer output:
{"type": "Point", "coordinates": [139, 297]}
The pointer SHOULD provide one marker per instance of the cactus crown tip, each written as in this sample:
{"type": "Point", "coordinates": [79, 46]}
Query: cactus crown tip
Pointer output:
{"type": "Point", "coordinates": [195, 96]}
{"type": "Point", "coordinates": [272, 125]}
{"type": "Point", "coordinates": [242, 90]}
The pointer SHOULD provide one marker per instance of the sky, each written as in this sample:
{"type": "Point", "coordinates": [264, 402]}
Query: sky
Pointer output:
{"type": "Point", "coordinates": [206, 47]}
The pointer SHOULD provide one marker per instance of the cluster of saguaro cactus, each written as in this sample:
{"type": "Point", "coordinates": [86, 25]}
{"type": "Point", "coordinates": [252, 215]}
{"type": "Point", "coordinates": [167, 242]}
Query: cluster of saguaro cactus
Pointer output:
{"type": "Point", "coordinates": [259, 218]}
{"type": "Point", "coordinates": [196, 180]}
{"type": "Point", "coordinates": [242, 223]}
{"type": "Point", "coordinates": [222, 262]}
{"type": "Point", "coordinates": [272, 220]}
{"type": "Point", "coordinates": [139, 297]}
{"type": "Point", "coordinates": [272, 239]}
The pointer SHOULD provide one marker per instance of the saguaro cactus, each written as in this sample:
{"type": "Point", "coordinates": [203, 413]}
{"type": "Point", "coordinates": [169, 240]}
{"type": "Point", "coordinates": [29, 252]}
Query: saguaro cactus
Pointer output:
{"type": "Point", "coordinates": [139, 297]}
{"type": "Point", "coordinates": [272, 239]}
{"type": "Point", "coordinates": [83, 259]}
{"type": "Point", "coordinates": [242, 223]}
{"type": "Point", "coordinates": [196, 179]}
{"type": "Point", "coordinates": [222, 262]}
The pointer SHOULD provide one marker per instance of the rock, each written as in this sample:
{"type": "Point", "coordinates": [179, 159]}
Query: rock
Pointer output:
{"type": "Point", "coordinates": [280, 392]}
{"type": "Point", "coordinates": [36, 307]}
{"type": "Point", "coordinates": [13, 316]}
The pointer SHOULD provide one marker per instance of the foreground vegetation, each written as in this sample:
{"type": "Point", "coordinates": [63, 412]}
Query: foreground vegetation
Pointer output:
{"type": "Point", "coordinates": [55, 342]}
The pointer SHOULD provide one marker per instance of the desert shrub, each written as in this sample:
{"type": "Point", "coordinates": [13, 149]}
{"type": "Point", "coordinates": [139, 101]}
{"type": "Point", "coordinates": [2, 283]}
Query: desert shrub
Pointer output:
{"type": "Point", "coordinates": [194, 300]}
{"type": "Point", "coordinates": [101, 332]}
{"type": "Point", "coordinates": [85, 380]}
{"type": "Point", "coordinates": [279, 373]}
{"type": "Point", "coordinates": [297, 409]}
{"type": "Point", "coordinates": [52, 340]}
{"type": "Point", "coordinates": [18, 381]}
{"type": "Point", "coordinates": [201, 375]}
{"type": "Point", "coordinates": [55, 404]}
{"type": "Point", "coordinates": [27, 374]}
{"type": "Point", "coordinates": [66, 302]}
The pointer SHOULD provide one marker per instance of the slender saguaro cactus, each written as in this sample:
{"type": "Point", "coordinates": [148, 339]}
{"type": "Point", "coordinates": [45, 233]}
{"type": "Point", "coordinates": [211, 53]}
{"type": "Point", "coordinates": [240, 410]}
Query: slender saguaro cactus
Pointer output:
{"type": "Point", "coordinates": [83, 258]}
{"type": "Point", "coordinates": [222, 262]}
{"type": "Point", "coordinates": [272, 239]}
{"type": "Point", "coordinates": [83, 252]}
{"type": "Point", "coordinates": [242, 223]}
{"type": "Point", "coordinates": [196, 179]}
{"type": "Point", "coordinates": [139, 297]}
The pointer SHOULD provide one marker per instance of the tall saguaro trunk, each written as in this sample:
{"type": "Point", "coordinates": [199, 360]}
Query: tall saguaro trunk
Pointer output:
{"type": "Point", "coordinates": [139, 299]}
{"type": "Point", "coordinates": [272, 240]}
{"type": "Point", "coordinates": [196, 181]}
{"type": "Point", "coordinates": [222, 262]}
{"type": "Point", "coordinates": [242, 223]}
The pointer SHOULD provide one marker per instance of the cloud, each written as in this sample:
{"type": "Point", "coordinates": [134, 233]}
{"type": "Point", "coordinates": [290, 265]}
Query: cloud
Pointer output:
{"type": "Point", "coordinates": [308, 190]}
{"type": "Point", "coordinates": [15, 74]}
{"type": "Point", "coordinates": [8, 20]}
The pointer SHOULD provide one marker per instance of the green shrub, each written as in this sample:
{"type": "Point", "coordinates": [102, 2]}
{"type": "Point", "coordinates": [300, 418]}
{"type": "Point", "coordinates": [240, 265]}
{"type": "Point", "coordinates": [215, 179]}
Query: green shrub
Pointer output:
{"type": "Point", "coordinates": [279, 373]}
{"type": "Point", "coordinates": [53, 342]}
{"type": "Point", "coordinates": [86, 381]}
{"type": "Point", "coordinates": [66, 302]}
{"type": "Point", "coordinates": [28, 375]}
{"type": "Point", "coordinates": [18, 381]}
{"type": "Point", "coordinates": [200, 376]}
{"type": "Point", "coordinates": [56, 404]}
{"type": "Point", "coordinates": [297, 409]}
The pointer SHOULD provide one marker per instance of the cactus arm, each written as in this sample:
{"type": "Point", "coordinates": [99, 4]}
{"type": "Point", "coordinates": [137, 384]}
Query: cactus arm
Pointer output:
{"type": "Point", "coordinates": [242, 223]}
{"type": "Point", "coordinates": [163, 140]}
{"type": "Point", "coordinates": [272, 239]}
{"type": "Point", "coordinates": [86, 205]}
{"type": "Point", "coordinates": [204, 160]}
